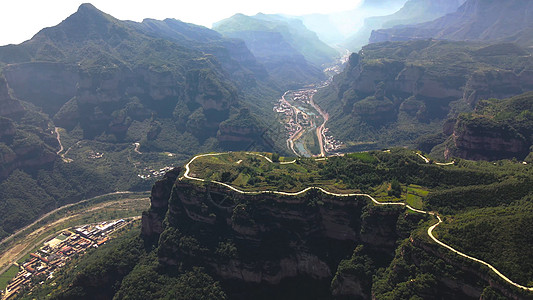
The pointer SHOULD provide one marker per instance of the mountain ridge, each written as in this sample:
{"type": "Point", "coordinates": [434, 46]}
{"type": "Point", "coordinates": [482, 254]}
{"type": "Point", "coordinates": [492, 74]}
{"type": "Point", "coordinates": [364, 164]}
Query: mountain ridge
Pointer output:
{"type": "Point", "coordinates": [413, 12]}
{"type": "Point", "coordinates": [476, 20]}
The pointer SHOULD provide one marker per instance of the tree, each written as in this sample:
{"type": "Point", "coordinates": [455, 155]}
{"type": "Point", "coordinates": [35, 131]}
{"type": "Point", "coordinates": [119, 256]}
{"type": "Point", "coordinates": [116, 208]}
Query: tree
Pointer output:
{"type": "Point", "coordinates": [395, 188]}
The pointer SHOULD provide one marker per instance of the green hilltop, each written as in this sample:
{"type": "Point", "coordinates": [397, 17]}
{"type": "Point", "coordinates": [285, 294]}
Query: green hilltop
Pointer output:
{"type": "Point", "coordinates": [192, 245]}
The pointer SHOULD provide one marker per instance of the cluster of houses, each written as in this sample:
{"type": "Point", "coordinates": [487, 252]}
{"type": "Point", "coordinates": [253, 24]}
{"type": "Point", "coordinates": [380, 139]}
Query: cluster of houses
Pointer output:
{"type": "Point", "coordinates": [150, 173]}
{"type": "Point", "coordinates": [304, 95]}
{"type": "Point", "coordinates": [56, 252]}
{"type": "Point", "coordinates": [291, 124]}
{"type": "Point", "coordinates": [95, 155]}
{"type": "Point", "coordinates": [330, 144]}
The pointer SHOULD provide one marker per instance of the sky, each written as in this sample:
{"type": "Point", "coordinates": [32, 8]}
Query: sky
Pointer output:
{"type": "Point", "coordinates": [21, 19]}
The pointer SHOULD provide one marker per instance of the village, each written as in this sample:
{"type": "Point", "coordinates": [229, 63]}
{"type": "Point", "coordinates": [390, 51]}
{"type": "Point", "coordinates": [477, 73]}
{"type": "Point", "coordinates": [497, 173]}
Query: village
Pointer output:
{"type": "Point", "coordinates": [151, 173]}
{"type": "Point", "coordinates": [331, 145]}
{"type": "Point", "coordinates": [296, 119]}
{"type": "Point", "coordinates": [56, 252]}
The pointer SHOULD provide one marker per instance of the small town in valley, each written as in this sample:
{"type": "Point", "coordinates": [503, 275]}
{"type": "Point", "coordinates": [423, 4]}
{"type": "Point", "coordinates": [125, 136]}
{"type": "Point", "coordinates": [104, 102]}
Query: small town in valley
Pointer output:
{"type": "Point", "coordinates": [300, 114]}
{"type": "Point", "coordinates": [41, 265]}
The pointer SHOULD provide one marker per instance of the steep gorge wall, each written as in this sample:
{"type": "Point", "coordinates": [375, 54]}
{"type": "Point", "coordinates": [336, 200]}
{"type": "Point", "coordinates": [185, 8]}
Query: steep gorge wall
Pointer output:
{"type": "Point", "coordinates": [274, 238]}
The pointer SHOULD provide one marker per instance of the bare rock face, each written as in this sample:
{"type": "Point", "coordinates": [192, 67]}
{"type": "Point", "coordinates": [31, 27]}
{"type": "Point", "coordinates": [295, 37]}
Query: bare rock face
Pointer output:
{"type": "Point", "coordinates": [47, 85]}
{"type": "Point", "coordinates": [7, 128]}
{"type": "Point", "coordinates": [8, 105]}
{"type": "Point", "coordinates": [266, 239]}
{"type": "Point", "coordinates": [290, 267]}
{"type": "Point", "coordinates": [152, 220]}
{"type": "Point", "coordinates": [493, 84]}
{"type": "Point", "coordinates": [32, 157]}
{"type": "Point", "coordinates": [482, 139]}
{"type": "Point", "coordinates": [228, 133]}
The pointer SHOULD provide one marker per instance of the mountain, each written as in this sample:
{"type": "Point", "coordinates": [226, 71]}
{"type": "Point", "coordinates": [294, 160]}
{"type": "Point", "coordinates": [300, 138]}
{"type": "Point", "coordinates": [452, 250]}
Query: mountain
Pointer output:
{"type": "Point", "coordinates": [104, 74]}
{"type": "Point", "coordinates": [394, 92]}
{"type": "Point", "coordinates": [475, 20]}
{"type": "Point", "coordinates": [25, 135]}
{"type": "Point", "coordinates": [334, 28]}
{"type": "Point", "coordinates": [75, 97]}
{"type": "Point", "coordinates": [206, 241]}
{"type": "Point", "coordinates": [290, 52]}
{"type": "Point", "coordinates": [413, 12]}
{"type": "Point", "coordinates": [496, 129]}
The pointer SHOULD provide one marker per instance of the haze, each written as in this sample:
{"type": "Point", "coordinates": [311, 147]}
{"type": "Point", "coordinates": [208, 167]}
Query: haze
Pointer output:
{"type": "Point", "coordinates": [22, 19]}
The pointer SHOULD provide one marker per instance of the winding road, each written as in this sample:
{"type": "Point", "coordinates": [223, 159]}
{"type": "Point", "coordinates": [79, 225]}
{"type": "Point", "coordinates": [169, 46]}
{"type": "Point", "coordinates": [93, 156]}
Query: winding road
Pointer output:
{"type": "Point", "coordinates": [429, 231]}
{"type": "Point", "coordinates": [320, 129]}
{"type": "Point", "coordinates": [58, 137]}
{"type": "Point", "coordinates": [58, 209]}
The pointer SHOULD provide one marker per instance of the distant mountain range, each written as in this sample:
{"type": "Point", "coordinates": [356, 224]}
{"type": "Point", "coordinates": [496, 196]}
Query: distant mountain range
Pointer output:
{"type": "Point", "coordinates": [475, 20]}
{"type": "Point", "coordinates": [335, 28]}
{"type": "Point", "coordinates": [413, 12]}
{"type": "Point", "coordinates": [289, 51]}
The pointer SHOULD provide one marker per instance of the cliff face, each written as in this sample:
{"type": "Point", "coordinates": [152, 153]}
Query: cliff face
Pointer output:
{"type": "Point", "coordinates": [486, 142]}
{"type": "Point", "coordinates": [413, 12]}
{"type": "Point", "coordinates": [265, 239]}
{"type": "Point", "coordinates": [152, 220]}
{"type": "Point", "coordinates": [24, 147]}
{"type": "Point", "coordinates": [47, 85]}
{"type": "Point", "coordinates": [418, 83]}
{"type": "Point", "coordinates": [496, 84]}
{"type": "Point", "coordinates": [498, 129]}
{"type": "Point", "coordinates": [8, 105]}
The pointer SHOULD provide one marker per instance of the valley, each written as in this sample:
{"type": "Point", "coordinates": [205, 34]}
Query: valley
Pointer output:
{"type": "Point", "coordinates": [15, 248]}
{"type": "Point", "coordinates": [305, 122]}
{"type": "Point", "coordinates": [382, 151]}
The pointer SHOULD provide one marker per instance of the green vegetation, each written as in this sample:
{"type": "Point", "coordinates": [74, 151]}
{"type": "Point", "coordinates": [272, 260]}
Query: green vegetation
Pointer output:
{"type": "Point", "coordinates": [64, 183]}
{"type": "Point", "coordinates": [500, 235]}
{"type": "Point", "coordinates": [110, 207]}
{"type": "Point", "coordinates": [374, 101]}
{"type": "Point", "coordinates": [486, 208]}
{"type": "Point", "coordinates": [7, 276]}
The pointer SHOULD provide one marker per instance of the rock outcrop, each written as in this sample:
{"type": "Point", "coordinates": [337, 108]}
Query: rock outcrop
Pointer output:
{"type": "Point", "coordinates": [152, 220]}
{"type": "Point", "coordinates": [264, 239]}
{"type": "Point", "coordinates": [417, 83]}
{"type": "Point", "coordinates": [482, 139]}
{"type": "Point", "coordinates": [22, 147]}
{"type": "Point", "coordinates": [498, 129]}
{"type": "Point", "coordinates": [8, 105]}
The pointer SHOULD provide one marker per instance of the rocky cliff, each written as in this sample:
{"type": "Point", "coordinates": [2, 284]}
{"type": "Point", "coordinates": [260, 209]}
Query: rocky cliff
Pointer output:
{"type": "Point", "coordinates": [251, 242]}
{"type": "Point", "coordinates": [419, 83]}
{"type": "Point", "coordinates": [8, 105]}
{"type": "Point", "coordinates": [498, 129]}
{"type": "Point", "coordinates": [25, 138]}
{"type": "Point", "coordinates": [152, 220]}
